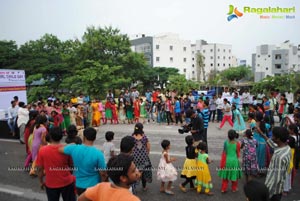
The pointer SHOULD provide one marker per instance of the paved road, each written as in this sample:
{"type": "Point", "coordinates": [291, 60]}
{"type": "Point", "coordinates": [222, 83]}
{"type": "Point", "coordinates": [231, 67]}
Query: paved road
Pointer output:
{"type": "Point", "coordinates": [16, 184]}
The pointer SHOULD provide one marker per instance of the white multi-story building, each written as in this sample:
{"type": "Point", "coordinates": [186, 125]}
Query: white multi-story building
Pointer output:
{"type": "Point", "coordinates": [171, 51]}
{"type": "Point", "coordinates": [217, 57]}
{"type": "Point", "coordinates": [165, 50]}
{"type": "Point", "coordinates": [168, 50]}
{"type": "Point", "coordinates": [275, 60]}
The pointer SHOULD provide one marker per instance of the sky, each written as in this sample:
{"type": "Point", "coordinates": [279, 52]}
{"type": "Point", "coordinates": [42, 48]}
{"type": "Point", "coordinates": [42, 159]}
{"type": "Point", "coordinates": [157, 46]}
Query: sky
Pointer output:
{"type": "Point", "coordinates": [24, 20]}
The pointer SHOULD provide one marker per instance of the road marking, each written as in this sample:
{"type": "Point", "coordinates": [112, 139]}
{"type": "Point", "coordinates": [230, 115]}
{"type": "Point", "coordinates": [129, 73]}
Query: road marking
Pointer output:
{"type": "Point", "coordinates": [5, 190]}
{"type": "Point", "coordinates": [8, 140]}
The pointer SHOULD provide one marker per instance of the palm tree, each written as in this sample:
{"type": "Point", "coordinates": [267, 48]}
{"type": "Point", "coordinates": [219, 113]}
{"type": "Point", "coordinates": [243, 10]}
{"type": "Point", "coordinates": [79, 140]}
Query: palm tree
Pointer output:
{"type": "Point", "coordinates": [200, 66]}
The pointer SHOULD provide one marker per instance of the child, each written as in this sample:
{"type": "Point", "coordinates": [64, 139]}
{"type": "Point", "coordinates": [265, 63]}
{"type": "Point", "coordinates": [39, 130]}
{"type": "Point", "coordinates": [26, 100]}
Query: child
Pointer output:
{"type": "Point", "coordinates": [66, 115]}
{"type": "Point", "coordinates": [204, 114]}
{"type": "Point", "coordinates": [229, 166]}
{"type": "Point", "coordinates": [136, 109]}
{"type": "Point", "coordinates": [189, 167]}
{"type": "Point", "coordinates": [114, 112]}
{"type": "Point", "coordinates": [143, 112]}
{"type": "Point", "coordinates": [203, 178]}
{"type": "Point", "coordinates": [166, 171]}
{"type": "Point", "coordinates": [122, 112]}
{"type": "Point", "coordinates": [108, 112]}
{"type": "Point", "coordinates": [129, 112]}
{"type": "Point", "coordinates": [250, 166]}
{"type": "Point", "coordinates": [108, 146]}
{"type": "Point", "coordinates": [72, 136]}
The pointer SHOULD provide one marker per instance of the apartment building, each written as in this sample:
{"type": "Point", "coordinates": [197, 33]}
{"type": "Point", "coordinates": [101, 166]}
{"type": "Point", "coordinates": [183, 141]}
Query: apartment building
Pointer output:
{"type": "Point", "coordinates": [217, 57]}
{"type": "Point", "coordinates": [275, 60]}
{"type": "Point", "coordinates": [169, 50]}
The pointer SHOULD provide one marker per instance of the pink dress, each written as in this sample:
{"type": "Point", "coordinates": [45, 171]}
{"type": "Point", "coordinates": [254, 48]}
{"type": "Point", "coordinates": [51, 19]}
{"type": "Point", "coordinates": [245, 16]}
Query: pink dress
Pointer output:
{"type": "Point", "coordinates": [37, 140]}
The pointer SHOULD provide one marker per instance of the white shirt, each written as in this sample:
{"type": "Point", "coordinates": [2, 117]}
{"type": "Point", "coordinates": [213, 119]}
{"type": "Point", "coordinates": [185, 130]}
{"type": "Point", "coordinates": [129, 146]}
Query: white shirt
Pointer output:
{"type": "Point", "coordinates": [79, 100]}
{"type": "Point", "coordinates": [12, 112]}
{"type": "Point", "coordinates": [246, 97]}
{"type": "Point", "coordinates": [108, 147]}
{"type": "Point", "coordinates": [226, 94]}
{"type": "Point", "coordinates": [23, 116]}
{"type": "Point", "coordinates": [289, 97]}
{"type": "Point", "coordinates": [227, 106]}
{"type": "Point", "coordinates": [219, 103]}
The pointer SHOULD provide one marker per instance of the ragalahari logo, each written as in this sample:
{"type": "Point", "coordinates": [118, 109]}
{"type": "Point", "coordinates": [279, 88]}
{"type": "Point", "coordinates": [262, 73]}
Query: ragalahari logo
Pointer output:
{"type": "Point", "coordinates": [233, 13]}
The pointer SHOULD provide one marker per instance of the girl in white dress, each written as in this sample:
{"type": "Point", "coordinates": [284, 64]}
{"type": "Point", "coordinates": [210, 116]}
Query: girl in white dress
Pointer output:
{"type": "Point", "coordinates": [166, 171]}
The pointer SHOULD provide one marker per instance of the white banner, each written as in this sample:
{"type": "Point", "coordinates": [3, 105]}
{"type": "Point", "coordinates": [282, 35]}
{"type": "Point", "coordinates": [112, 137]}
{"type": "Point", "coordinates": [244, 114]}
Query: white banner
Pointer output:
{"type": "Point", "coordinates": [12, 83]}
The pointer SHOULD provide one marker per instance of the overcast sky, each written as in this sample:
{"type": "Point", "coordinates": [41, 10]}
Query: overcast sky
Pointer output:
{"type": "Point", "coordinates": [23, 20]}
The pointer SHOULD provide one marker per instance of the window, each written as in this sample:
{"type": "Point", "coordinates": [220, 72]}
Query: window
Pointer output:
{"type": "Point", "coordinates": [157, 47]}
{"type": "Point", "coordinates": [224, 50]}
{"type": "Point", "coordinates": [267, 68]}
{"type": "Point", "coordinates": [211, 64]}
{"type": "Point", "coordinates": [193, 59]}
{"type": "Point", "coordinates": [171, 59]}
{"type": "Point", "coordinates": [203, 51]}
{"type": "Point", "coordinates": [277, 56]}
{"type": "Point", "coordinates": [224, 57]}
{"type": "Point", "coordinates": [193, 72]}
{"type": "Point", "coordinates": [218, 50]}
{"type": "Point", "coordinates": [193, 65]}
{"type": "Point", "coordinates": [211, 50]}
{"type": "Point", "coordinates": [229, 51]}
{"type": "Point", "coordinates": [184, 70]}
{"type": "Point", "coordinates": [269, 55]}
{"type": "Point", "coordinates": [211, 57]}
{"type": "Point", "coordinates": [229, 57]}
{"type": "Point", "coordinates": [218, 57]}
{"type": "Point", "coordinates": [218, 64]}
{"type": "Point", "coordinates": [229, 65]}
{"type": "Point", "coordinates": [258, 65]}
{"type": "Point", "coordinates": [184, 59]}
{"type": "Point", "coordinates": [278, 66]}
{"type": "Point", "coordinates": [171, 47]}
{"type": "Point", "coordinates": [224, 65]}
{"type": "Point", "coordinates": [142, 48]}
{"type": "Point", "coordinates": [258, 56]}
{"type": "Point", "coordinates": [184, 48]}
{"type": "Point", "coordinates": [193, 52]}
{"type": "Point", "coordinates": [157, 59]}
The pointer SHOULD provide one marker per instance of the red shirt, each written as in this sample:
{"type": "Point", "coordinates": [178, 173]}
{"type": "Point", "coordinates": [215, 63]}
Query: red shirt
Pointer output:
{"type": "Point", "coordinates": [154, 96]}
{"type": "Point", "coordinates": [56, 165]}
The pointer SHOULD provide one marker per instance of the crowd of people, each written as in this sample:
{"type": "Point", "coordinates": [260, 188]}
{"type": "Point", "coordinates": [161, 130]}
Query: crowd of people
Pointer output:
{"type": "Point", "coordinates": [81, 166]}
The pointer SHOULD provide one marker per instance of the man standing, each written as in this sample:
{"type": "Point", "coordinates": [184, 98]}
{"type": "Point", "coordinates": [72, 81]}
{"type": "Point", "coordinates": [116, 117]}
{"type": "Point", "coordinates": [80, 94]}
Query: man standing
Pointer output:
{"type": "Point", "coordinates": [88, 161]}
{"type": "Point", "coordinates": [272, 109]}
{"type": "Point", "coordinates": [246, 100]}
{"type": "Point", "coordinates": [12, 116]}
{"type": "Point", "coordinates": [197, 129]}
{"type": "Point", "coordinates": [23, 117]}
{"type": "Point", "coordinates": [279, 163]}
{"type": "Point", "coordinates": [57, 168]}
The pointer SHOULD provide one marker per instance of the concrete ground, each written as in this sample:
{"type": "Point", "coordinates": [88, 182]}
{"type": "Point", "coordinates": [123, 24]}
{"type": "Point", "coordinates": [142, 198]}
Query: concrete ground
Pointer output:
{"type": "Point", "coordinates": [15, 183]}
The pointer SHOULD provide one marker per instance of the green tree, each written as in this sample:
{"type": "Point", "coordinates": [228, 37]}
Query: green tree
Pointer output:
{"type": "Point", "coordinates": [284, 82]}
{"type": "Point", "coordinates": [8, 53]}
{"type": "Point", "coordinates": [181, 84]}
{"type": "Point", "coordinates": [162, 74]}
{"type": "Point", "coordinates": [236, 73]}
